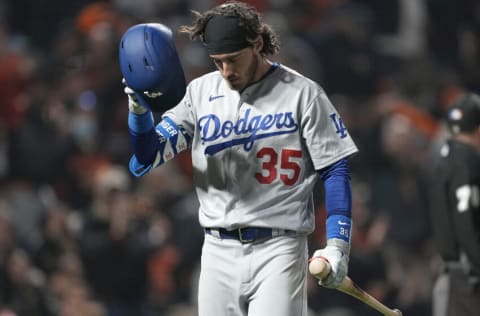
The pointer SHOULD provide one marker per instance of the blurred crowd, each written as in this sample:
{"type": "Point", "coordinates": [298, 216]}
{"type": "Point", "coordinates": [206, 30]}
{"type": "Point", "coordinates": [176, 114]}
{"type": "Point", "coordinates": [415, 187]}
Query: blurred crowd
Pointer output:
{"type": "Point", "coordinates": [80, 236]}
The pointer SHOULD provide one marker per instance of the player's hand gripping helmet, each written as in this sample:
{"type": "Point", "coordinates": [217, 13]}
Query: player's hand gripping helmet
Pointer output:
{"type": "Point", "coordinates": [463, 116]}
{"type": "Point", "coordinates": [151, 67]}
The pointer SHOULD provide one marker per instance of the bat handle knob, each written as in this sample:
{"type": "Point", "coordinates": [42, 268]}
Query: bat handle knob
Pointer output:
{"type": "Point", "coordinates": [319, 268]}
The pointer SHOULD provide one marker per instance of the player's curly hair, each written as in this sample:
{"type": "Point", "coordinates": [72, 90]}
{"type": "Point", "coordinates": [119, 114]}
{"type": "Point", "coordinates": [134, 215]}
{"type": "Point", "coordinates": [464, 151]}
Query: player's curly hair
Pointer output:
{"type": "Point", "coordinates": [249, 18]}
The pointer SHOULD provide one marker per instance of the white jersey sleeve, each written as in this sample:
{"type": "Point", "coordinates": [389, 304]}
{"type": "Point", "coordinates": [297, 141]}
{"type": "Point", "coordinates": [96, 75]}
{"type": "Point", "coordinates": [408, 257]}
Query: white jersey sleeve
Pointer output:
{"type": "Point", "coordinates": [183, 114]}
{"type": "Point", "coordinates": [326, 137]}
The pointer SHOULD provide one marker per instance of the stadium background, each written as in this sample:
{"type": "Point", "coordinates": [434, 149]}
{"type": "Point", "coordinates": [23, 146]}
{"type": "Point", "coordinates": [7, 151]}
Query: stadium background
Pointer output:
{"type": "Point", "coordinates": [80, 236]}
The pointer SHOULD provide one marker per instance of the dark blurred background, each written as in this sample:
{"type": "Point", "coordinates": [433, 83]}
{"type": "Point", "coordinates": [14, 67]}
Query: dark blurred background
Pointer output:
{"type": "Point", "coordinates": [80, 236]}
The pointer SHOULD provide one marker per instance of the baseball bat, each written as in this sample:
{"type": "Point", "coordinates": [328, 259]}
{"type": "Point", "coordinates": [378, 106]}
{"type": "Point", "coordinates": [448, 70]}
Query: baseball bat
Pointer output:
{"type": "Point", "coordinates": [320, 268]}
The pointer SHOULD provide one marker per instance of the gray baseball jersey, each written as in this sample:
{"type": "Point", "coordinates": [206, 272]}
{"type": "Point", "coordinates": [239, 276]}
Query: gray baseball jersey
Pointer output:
{"type": "Point", "coordinates": [256, 153]}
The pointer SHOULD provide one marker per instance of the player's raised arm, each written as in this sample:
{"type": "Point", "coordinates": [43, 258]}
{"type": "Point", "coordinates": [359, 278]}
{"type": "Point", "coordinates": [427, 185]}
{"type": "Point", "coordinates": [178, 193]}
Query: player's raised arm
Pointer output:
{"type": "Point", "coordinates": [155, 82]}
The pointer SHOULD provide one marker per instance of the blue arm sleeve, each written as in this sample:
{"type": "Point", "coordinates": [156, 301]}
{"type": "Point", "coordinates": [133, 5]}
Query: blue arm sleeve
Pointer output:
{"type": "Point", "coordinates": [338, 199]}
{"type": "Point", "coordinates": [142, 136]}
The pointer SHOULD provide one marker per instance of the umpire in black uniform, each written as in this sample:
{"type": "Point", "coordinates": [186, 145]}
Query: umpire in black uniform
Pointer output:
{"type": "Point", "coordinates": [455, 212]}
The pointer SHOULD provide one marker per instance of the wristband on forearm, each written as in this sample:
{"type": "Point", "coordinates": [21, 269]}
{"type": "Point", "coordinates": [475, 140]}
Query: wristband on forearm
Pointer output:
{"type": "Point", "coordinates": [339, 226]}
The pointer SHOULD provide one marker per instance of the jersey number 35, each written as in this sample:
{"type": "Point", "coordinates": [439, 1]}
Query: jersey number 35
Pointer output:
{"type": "Point", "coordinates": [287, 168]}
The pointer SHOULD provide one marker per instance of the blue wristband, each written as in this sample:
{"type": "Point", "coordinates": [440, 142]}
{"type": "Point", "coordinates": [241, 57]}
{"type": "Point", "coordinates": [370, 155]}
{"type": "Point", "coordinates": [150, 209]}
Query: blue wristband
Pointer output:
{"type": "Point", "coordinates": [339, 226]}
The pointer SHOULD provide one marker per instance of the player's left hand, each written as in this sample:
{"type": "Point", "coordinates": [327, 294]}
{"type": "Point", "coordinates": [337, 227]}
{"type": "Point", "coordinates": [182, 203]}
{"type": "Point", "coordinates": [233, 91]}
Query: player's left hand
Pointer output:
{"type": "Point", "coordinates": [337, 254]}
{"type": "Point", "coordinates": [135, 104]}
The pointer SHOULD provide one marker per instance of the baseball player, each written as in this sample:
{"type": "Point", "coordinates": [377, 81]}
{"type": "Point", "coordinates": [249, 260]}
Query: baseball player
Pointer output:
{"type": "Point", "coordinates": [260, 136]}
{"type": "Point", "coordinates": [455, 212]}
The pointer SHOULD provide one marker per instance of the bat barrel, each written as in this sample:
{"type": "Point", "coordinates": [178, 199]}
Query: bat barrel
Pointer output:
{"type": "Point", "coordinates": [351, 288]}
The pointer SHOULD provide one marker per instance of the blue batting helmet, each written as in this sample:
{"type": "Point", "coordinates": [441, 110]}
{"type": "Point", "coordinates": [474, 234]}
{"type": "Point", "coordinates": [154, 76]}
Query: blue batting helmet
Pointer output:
{"type": "Point", "coordinates": [151, 67]}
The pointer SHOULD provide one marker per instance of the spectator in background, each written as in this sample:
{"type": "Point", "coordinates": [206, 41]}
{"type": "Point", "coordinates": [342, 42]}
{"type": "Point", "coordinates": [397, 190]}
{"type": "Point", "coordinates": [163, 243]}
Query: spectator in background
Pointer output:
{"type": "Point", "coordinates": [16, 67]}
{"type": "Point", "coordinates": [56, 240]}
{"type": "Point", "coordinates": [25, 284]}
{"type": "Point", "coordinates": [116, 244]}
{"type": "Point", "coordinates": [453, 38]}
{"type": "Point", "coordinates": [41, 146]}
{"type": "Point", "coordinates": [344, 45]}
{"type": "Point", "coordinates": [7, 246]}
{"type": "Point", "coordinates": [400, 187]}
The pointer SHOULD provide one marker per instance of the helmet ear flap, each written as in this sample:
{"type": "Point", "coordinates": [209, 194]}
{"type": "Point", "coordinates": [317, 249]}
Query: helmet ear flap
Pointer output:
{"type": "Point", "coordinates": [150, 65]}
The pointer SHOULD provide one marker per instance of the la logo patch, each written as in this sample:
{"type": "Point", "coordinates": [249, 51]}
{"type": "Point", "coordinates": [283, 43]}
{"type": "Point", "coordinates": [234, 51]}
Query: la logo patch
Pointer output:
{"type": "Point", "coordinates": [341, 130]}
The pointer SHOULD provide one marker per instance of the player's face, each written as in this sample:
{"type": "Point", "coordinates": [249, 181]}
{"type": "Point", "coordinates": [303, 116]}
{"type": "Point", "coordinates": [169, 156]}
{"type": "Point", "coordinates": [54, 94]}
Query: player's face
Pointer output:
{"type": "Point", "coordinates": [239, 68]}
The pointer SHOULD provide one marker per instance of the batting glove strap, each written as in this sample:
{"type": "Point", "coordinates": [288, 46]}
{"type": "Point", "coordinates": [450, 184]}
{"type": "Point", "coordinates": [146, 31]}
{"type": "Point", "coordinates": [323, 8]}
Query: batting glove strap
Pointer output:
{"type": "Point", "coordinates": [337, 254]}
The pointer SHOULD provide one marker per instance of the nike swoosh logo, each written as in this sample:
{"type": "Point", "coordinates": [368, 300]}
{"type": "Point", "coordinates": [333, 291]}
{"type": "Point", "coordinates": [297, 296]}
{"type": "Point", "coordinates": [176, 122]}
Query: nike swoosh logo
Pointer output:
{"type": "Point", "coordinates": [342, 223]}
{"type": "Point", "coordinates": [214, 97]}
